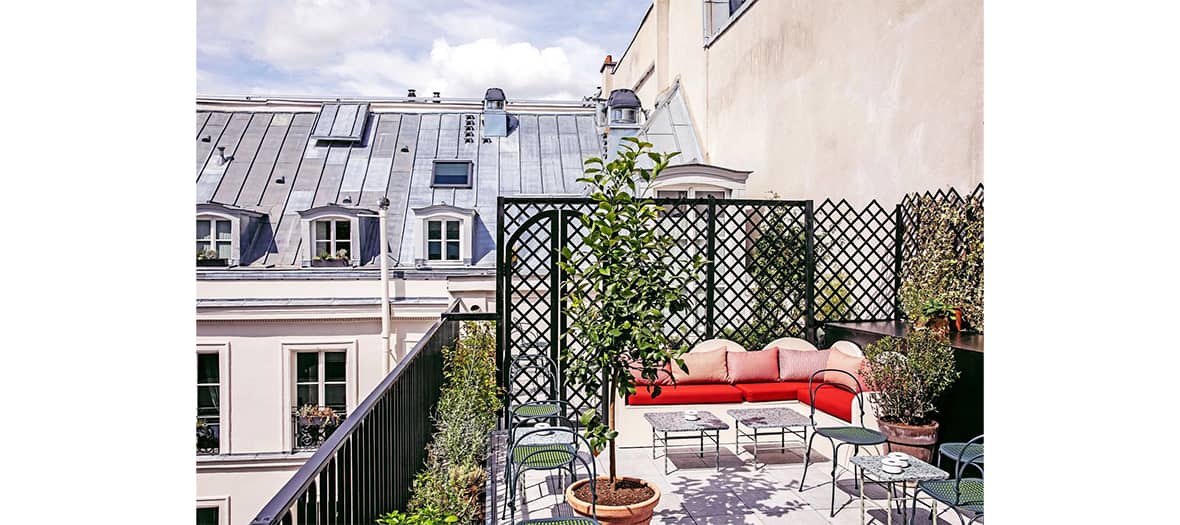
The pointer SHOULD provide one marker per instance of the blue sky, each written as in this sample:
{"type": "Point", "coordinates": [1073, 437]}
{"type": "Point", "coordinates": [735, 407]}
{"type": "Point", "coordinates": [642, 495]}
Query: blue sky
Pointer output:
{"type": "Point", "coordinates": [532, 49]}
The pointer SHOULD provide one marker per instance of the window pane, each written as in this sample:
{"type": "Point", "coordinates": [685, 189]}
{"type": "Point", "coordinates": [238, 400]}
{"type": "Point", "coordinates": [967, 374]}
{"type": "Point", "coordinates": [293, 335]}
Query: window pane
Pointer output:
{"type": "Point", "coordinates": [307, 367]}
{"type": "Point", "coordinates": [306, 395]}
{"type": "Point", "coordinates": [322, 229]}
{"type": "Point", "coordinates": [452, 173]}
{"type": "Point", "coordinates": [323, 248]}
{"type": "Point", "coordinates": [671, 194]}
{"type": "Point", "coordinates": [334, 366]}
{"type": "Point", "coordinates": [434, 230]}
{"type": "Point", "coordinates": [208, 400]}
{"type": "Point", "coordinates": [207, 516]}
{"type": "Point", "coordinates": [207, 368]}
{"type": "Point", "coordinates": [334, 397]}
{"type": "Point", "coordinates": [224, 250]}
{"type": "Point", "coordinates": [202, 229]}
{"type": "Point", "coordinates": [202, 247]}
{"type": "Point", "coordinates": [224, 230]}
{"type": "Point", "coordinates": [452, 250]}
{"type": "Point", "coordinates": [452, 230]}
{"type": "Point", "coordinates": [342, 229]}
{"type": "Point", "coordinates": [434, 250]}
{"type": "Point", "coordinates": [707, 194]}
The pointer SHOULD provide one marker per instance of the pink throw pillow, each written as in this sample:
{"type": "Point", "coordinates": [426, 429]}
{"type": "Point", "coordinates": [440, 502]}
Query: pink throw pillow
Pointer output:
{"type": "Point", "coordinates": [703, 368]}
{"type": "Point", "coordinates": [842, 361]}
{"type": "Point", "coordinates": [798, 365]}
{"type": "Point", "coordinates": [752, 367]}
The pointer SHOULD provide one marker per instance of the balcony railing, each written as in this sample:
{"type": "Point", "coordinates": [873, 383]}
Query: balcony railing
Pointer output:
{"type": "Point", "coordinates": [208, 435]}
{"type": "Point", "coordinates": [308, 433]}
{"type": "Point", "coordinates": [365, 468]}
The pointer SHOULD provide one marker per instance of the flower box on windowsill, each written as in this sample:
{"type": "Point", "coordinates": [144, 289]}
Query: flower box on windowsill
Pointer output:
{"type": "Point", "coordinates": [331, 263]}
{"type": "Point", "coordinates": [212, 262]}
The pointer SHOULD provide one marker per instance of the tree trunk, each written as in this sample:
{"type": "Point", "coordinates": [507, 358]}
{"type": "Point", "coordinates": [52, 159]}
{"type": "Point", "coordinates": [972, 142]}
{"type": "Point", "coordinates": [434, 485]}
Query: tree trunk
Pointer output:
{"type": "Point", "coordinates": [611, 426]}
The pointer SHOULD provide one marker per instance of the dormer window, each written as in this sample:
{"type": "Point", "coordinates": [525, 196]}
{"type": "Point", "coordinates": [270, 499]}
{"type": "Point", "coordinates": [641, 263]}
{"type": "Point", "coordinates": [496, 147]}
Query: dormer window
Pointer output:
{"type": "Point", "coordinates": [624, 107]}
{"type": "Point", "coordinates": [445, 233]}
{"type": "Point", "coordinates": [624, 116]}
{"type": "Point", "coordinates": [443, 240]}
{"type": "Point", "coordinates": [332, 235]}
{"type": "Point", "coordinates": [215, 241]}
{"type": "Point", "coordinates": [333, 239]}
{"type": "Point", "coordinates": [223, 232]}
{"type": "Point", "coordinates": [452, 174]}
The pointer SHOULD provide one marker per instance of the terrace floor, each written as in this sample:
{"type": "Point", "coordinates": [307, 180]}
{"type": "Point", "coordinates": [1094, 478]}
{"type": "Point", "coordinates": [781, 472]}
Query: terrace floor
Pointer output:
{"type": "Point", "coordinates": [695, 492]}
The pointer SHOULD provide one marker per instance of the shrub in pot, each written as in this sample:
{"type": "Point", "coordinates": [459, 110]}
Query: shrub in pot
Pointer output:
{"type": "Point", "coordinates": [908, 375]}
{"type": "Point", "coordinates": [621, 290]}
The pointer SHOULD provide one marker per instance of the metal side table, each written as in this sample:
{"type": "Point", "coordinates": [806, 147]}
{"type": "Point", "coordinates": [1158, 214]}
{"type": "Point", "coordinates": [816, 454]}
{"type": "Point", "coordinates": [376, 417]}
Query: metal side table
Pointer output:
{"type": "Point", "coordinates": [871, 471]}
{"type": "Point", "coordinates": [772, 421]}
{"type": "Point", "coordinates": [669, 423]}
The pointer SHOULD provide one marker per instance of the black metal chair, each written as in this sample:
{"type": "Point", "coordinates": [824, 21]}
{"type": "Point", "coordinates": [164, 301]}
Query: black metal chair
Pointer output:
{"type": "Point", "coordinates": [959, 449]}
{"type": "Point", "coordinates": [857, 436]}
{"type": "Point", "coordinates": [959, 493]}
{"type": "Point", "coordinates": [551, 408]}
{"type": "Point", "coordinates": [554, 448]}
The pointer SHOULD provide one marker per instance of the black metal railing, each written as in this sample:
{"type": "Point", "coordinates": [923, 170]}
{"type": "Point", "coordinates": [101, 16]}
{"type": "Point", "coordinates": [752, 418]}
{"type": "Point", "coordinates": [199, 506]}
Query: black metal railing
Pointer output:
{"type": "Point", "coordinates": [208, 435]}
{"type": "Point", "coordinates": [365, 468]}
{"type": "Point", "coordinates": [308, 433]}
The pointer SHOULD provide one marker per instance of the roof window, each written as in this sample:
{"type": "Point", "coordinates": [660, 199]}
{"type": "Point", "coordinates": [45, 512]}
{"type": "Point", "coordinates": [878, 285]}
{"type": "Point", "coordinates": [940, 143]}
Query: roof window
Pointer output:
{"type": "Point", "coordinates": [451, 174]}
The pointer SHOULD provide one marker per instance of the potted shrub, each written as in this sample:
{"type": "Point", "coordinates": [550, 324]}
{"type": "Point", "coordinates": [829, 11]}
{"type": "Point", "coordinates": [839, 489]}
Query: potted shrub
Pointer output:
{"type": "Point", "coordinates": [210, 258]}
{"type": "Point", "coordinates": [620, 291]}
{"type": "Point", "coordinates": [907, 375]}
{"type": "Point", "coordinates": [317, 416]}
{"type": "Point", "coordinates": [939, 317]}
{"type": "Point", "coordinates": [338, 260]}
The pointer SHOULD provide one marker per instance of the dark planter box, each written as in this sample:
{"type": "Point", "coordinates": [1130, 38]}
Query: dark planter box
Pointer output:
{"type": "Point", "coordinates": [332, 263]}
{"type": "Point", "coordinates": [212, 262]}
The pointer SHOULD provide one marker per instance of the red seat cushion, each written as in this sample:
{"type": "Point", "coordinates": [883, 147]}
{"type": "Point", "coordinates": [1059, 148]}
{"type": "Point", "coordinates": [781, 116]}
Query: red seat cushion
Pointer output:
{"type": "Point", "coordinates": [832, 400]}
{"type": "Point", "coordinates": [778, 391]}
{"type": "Point", "coordinates": [687, 395]}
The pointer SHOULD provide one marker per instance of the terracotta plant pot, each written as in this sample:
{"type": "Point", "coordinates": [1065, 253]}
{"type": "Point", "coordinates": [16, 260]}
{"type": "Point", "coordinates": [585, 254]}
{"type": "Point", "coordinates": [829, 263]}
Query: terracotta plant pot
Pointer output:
{"type": "Point", "coordinates": [637, 513]}
{"type": "Point", "coordinates": [917, 441]}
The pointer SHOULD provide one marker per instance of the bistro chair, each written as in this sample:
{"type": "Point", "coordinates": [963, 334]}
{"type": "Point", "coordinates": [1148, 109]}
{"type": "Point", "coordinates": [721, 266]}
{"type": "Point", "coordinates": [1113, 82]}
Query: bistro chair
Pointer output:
{"type": "Point", "coordinates": [578, 520]}
{"type": "Point", "coordinates": [855, 435]}
{"type": "Point", "coordinates": [969, 449]}
{"type": "Point", "coordinates": [555, 448]}
{"type": "Point", "coordinates": [541, 370]}
{"type": "Point", "coordinates": [960, 493]}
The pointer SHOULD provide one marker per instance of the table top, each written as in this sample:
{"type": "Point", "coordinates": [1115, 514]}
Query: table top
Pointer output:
{"type": "Point", "coordinates": [675, 422]}
{"type": "Point", "coordinates": [769, 417]}
{"type": "Point", "coordinates": [917, 471]}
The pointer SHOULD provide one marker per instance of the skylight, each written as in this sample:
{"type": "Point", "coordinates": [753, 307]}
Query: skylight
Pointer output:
{"type": "Point", "coordinates": [342, 122]}
{"type": "Point", "coordinates": [452, 174]}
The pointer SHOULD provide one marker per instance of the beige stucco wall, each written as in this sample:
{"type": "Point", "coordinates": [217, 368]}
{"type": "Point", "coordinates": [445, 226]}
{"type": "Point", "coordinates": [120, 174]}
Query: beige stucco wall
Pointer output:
{"type": "Point", "coordinates": [255, 345]}
{"type": "Point", "coordinates": [855, 99]}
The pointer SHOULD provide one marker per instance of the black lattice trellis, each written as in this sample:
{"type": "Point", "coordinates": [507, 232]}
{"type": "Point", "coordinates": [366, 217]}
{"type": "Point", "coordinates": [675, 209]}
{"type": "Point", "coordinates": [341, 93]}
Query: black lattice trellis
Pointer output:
{"type": "Point", "coordinates": [776, 268]}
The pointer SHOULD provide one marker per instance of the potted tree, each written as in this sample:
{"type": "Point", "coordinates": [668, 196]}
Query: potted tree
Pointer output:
{"type": "Point", "coordinates": [908, 375]}
{"type": "Point", "coordinates": [620, 291]}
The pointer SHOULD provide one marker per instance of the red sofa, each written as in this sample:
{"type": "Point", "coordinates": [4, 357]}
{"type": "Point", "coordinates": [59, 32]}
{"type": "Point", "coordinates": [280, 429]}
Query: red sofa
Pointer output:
{"type": "Point", "coordinates": [708, 387]}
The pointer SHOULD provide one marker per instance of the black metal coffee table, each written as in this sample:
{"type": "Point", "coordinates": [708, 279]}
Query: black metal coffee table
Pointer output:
{"type": "Point", "coordinates": [669, 423]}
{"type": "Point", "coordinates": [768, 421]}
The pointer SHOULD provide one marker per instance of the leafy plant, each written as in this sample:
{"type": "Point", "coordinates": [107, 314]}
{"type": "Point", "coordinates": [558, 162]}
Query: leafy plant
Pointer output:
{"type": "Point", "coordinates": [621, 288]}
{"type": "Point", "coordinates": [777, 265]}
{"type": "Point", "coordinates": [423, 516]}
{"type": "Point", "coordinates": [947, 263]}
{"type": "Point", "coordinates": [340, 254]}
{"type": "Point", "coordinates": [453, 477]}
{"type": "Point", "coordinates": [908, 375]}
{"type": "Point", "coordinates": [313, 411]}
{"type": "Point", "coordinates": [206, 255]}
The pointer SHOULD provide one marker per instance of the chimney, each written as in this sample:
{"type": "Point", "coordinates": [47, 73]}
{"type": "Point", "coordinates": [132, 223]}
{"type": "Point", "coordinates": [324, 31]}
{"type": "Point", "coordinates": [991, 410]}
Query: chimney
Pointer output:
{"type": "Point", "coordinates": [410, 93]}
{"type": "Point", "coordinates": [437, 96]}
{"type": "Point", "coordinates": [609, 61]}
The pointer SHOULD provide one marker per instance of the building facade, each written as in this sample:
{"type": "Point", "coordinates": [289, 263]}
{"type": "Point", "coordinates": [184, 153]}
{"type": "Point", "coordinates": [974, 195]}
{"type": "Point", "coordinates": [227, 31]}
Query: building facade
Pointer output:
{"type": "Point", "coordinates": [852, 99]}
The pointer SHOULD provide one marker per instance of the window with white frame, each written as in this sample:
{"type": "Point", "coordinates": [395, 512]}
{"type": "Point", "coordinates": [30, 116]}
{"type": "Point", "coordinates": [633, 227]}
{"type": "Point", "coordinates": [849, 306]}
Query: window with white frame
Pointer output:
{"type": "Point", "coordinates": [208, 403]}
{"type": "Point", "coordinates": [214, 239]}
{"type": "Point", "coordinates": [451, 174]}
{"type": "Point", "coordinates": [443, 240]}
{"type": "Point", "coordinates": [332, 238]}
{"type": "Point", "coordinates": [321, 380]}
{"type": "Point", "coordinates": [208, 516]}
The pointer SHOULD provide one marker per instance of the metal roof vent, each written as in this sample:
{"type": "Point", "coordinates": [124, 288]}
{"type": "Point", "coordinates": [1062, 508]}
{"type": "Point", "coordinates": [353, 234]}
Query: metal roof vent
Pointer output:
{"type": "Point", "coordinates": [624, 107]}
{"type": "Point", "coordinates": [495, 118]}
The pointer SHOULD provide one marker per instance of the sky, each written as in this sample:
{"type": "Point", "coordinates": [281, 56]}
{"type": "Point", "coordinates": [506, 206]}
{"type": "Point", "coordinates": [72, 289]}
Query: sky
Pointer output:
{"type": "Point", "coordinates": [532, 49]}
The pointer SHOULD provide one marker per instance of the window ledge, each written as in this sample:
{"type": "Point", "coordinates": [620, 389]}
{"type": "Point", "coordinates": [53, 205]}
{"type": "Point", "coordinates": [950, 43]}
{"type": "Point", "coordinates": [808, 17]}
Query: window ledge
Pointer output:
{"type": "Point", "coordinates": [732, 20]}
{"type": "Point", "coordinates": [252, 460]}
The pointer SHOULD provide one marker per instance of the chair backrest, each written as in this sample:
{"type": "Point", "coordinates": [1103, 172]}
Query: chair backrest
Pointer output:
{"type": "Point", "coordinates": [790, 343]}
{"type": "Point", "coordinates": [814, 386]}
{"type": "Point", "coordinates": [963, 461]}
{"type": "Point", "coordinates": [533, 364]}
{"type": "Point", "coordinates": [575, 438]}
{"type": "Point", "coordinates": [708, 345]}
{"type": "Point", "coordinates": [848, 347]}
